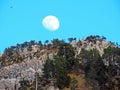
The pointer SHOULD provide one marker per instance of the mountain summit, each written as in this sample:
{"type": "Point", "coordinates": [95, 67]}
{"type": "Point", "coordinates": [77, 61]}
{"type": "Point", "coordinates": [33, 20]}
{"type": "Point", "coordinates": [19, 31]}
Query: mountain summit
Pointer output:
{"type": "Point", "coordinates": [60, 65]}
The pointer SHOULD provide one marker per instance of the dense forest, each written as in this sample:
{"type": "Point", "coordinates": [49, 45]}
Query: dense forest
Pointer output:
{"type": "Point", "coordinates": [101, 70]}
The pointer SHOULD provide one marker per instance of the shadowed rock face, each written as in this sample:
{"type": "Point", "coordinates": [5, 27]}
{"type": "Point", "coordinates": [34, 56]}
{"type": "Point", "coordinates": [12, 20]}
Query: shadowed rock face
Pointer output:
{"type": "Point", "coordinates": [11, 75]}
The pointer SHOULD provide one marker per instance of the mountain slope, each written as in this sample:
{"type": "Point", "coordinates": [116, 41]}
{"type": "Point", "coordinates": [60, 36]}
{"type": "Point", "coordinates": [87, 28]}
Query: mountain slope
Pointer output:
{"type": "Point", "coordinates": [23, 61]}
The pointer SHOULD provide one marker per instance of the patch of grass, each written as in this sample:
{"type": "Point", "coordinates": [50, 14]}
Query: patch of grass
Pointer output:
{"type": "Point", "coordinates": [81, 82]}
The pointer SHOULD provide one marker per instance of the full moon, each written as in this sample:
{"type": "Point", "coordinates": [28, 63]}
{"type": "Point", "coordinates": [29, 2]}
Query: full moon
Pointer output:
{"type": "Point", "coordinates": [51, 23]}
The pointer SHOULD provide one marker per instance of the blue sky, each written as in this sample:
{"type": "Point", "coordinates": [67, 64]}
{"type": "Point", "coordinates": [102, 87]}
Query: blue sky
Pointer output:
{"type": "Point", "coordinates": [21, 20]}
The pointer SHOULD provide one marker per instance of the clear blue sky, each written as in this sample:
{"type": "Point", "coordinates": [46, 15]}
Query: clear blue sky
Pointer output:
{"type": "Point", "coordinates": [20, 20]}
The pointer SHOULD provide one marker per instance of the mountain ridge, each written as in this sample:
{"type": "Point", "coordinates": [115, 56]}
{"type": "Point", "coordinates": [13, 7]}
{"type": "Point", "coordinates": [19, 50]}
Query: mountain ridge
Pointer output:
{"type": "Point", "coordinates": [24, 60]}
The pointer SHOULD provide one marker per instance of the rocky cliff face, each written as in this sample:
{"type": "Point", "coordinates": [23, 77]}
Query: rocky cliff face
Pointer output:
{"type": "Point", "coordinates": [100, 45]}
{"type": "Point", "coordinates": [10, 75]}
{"type": "Point", "coordinates": [33, 60]}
